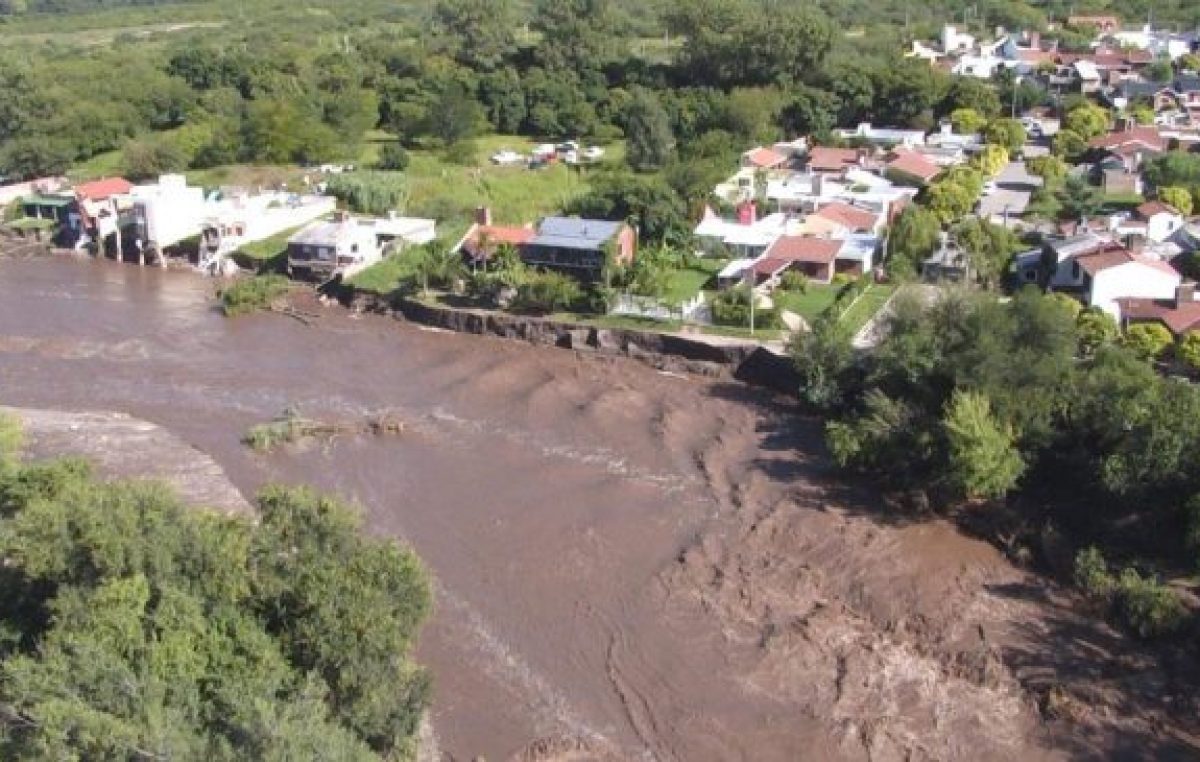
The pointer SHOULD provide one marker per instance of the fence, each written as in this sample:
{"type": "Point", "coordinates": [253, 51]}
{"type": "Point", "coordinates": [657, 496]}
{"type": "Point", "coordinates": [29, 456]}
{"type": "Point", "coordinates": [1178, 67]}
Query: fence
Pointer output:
{"type": "Point", "coordinates": [695, 309]}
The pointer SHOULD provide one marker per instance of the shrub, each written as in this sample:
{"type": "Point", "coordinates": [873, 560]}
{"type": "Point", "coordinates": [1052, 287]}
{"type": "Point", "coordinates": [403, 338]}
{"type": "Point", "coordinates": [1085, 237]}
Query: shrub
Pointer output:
{"type": "Point", "coordinates": [370, 192]}
{"type": "Point", "coordinates": [253, 294]}
{"type": "Point", "coordinates": [547, 292]}
{"type": "Point", "coordinates": [1091, 573]}
{"type": "Point", "coordinates": [1146, 606]}
{"type": "Point", "coordinates": [393, 157]}
{"type": "Point", "coordinates": [1188, 350]}
{"type": "Point", "coordinates": [794, 281]}
{"type": "Point", "coordinates": [732, 308]}
{"type": "Point", "coordinates": [1149, 341]}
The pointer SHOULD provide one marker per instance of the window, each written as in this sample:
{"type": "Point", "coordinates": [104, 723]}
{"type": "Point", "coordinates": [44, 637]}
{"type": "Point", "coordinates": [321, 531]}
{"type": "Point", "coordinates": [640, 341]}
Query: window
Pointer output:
{"type": "Point", "coordinates": [1030, 275]}
{"type": "Point", "coordinates": [1075, 270]}
{"type": "Point", "coordinates": [353, 248]}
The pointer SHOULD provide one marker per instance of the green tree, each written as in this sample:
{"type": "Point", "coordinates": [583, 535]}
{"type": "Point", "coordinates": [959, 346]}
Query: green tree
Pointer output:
{"type": "Point", "coordinates": [912, 239]}
{"type": "Point", "coordinates": [393, 158]}
{"type": "Point", "coordinates": [1149, 341]}
{"type": "Point", "coordinates": [138, 628]}
{"type": "Point", "coordinates": [649, 140]}
{"type": "Point", "coordinates": [1008, 133]}
{"type": "Point", "coordinates": [1096, 329]}
{"type": "Point", "coordinates": [949, 201]}
{"type": "Point", "coordinates": [1087, 120]}
{"type": "Point", "coordinates": [1051, 169]}
{"type": "Point", "coordinates": [991, 160]}
{"type": "Point", "coordinates": [1188, 351]}
{"type": "Point", "coordinates": [1068, 144]}
{"type": "Point", "coordinates": [1180, 198]}
{"type": "Point", "coordinates": [967, 121]}
{"type": "Point", "coordinates": [454, 116]}
{"type": "Point", "coordinates": [983, 457]}
{"type": "Point", "coordinates": [1079, 198]}
{"type": "Point", "coordinates": [989, 248]}
{"type": "Point", "coordinates": [479, 34]}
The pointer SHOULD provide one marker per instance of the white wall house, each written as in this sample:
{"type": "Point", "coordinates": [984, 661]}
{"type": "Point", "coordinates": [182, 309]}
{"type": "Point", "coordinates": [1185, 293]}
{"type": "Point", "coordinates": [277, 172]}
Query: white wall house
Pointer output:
{"type": "Point", "coordinates": [1162, 221]}
{"type": "Point", "coordinates": [1108, 277]}
{"type": "Point", "coordinates": [168, 211]}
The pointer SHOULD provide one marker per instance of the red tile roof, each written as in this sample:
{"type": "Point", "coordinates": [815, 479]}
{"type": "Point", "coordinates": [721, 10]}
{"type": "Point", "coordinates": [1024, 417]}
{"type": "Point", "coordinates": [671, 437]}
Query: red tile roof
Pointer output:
{"type": "Point", "coordinates": [1115, 256]}
{"type": "Point", "coordinates": [911, 163]}
{"type": "Point", "coordinates": [796, 248]}
{"type": "Point", "coordinates": [98, 190]}
{"type": "Point", "coordinates": [1151, 208]}
{"type": "Point", "coordinates": [483, 240]}
{"type": "Point", "coordinates": [765, 158]}
{"type": "Point", "coordinates": [851, 217]}
{"type": "Point", "coordinates": [1179, 318]}
{"type": "Point", "coordinates": [826, 159]}
{"type": "Point", "coordinates": [1148, 136]}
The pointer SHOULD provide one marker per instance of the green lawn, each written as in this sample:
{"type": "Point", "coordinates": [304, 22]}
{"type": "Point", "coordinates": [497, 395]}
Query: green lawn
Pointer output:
{"type": "Point", "coordinates": [686, 282]}
{"type": "Point", "coordinates": [384, 276]}
{"type": "Point", "coordinates": [809, 305]}
{"type": "Point", "coordinates": [868, 304]}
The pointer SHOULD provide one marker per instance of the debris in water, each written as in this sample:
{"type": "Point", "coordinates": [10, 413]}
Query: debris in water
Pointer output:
{"type": "Point", "coordinates": [292, 428]}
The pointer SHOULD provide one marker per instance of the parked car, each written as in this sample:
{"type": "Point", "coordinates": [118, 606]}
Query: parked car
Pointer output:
{"type": "Point", "coordinates": [505, 156]}
{"type": "Point", "coordinates": [593, 153]}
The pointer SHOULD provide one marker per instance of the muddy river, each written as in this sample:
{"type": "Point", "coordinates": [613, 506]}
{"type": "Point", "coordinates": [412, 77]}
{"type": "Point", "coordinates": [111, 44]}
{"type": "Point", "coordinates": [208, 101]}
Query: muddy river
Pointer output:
{"type": "Point", "coordinates": [628, 564]}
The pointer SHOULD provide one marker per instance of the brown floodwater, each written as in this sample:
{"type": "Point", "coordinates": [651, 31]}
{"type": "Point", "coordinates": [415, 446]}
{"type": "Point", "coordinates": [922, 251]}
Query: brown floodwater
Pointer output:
{"type": "Point", "coordinates": [627, 563]}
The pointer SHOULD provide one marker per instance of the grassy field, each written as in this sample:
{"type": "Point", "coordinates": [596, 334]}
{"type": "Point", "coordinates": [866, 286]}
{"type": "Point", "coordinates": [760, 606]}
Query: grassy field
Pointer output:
{"type": "Point", "coordinates": [384, 276]}
{"type": "Point", "coordinates": [686, 282]}
{"type": "Point", "coordinates": [809, 305]}
{"type": "Point", "coordinates": [867, 305]}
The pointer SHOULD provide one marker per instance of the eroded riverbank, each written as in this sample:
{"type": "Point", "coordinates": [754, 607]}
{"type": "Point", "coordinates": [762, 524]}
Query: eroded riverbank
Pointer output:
{"type": "Point", "coordinates": [626, 561]}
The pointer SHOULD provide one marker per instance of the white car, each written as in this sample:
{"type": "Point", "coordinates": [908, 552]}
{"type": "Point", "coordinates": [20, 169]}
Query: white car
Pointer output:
{"type": "Point", "coordinates": [593, 153]}
{"type": "Point", "coordinates": [505, 156]}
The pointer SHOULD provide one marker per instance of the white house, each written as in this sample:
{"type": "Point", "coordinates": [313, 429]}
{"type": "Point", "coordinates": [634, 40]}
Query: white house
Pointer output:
{"type": "Point", "coordinates": [954, 41]}
{"type": "Point", "coordinates": [243, 218]}
{"type": "Point", "coordinates": [1116, 273]}
{"type": "Point", "coordinates": [168, 211]}
{"type": "Point", "coordinates": [1162, 220]}
{"type": "Point", "coordinates": [884, 135]}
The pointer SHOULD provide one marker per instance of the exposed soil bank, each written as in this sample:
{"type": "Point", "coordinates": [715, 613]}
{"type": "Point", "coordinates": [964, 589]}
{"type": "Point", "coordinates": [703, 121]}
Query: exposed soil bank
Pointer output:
{"type": "Point", "coordinates": [629, 564]}
{"type": "Point", "coordinates": [713, 357]}
{"type": "Point", "coordinates": [125, 447]}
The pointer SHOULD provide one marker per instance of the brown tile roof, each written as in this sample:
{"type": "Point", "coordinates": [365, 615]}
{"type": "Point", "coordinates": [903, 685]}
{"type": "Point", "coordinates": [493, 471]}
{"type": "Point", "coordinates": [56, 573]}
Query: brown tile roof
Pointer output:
{"type": "Point", "coordinates": [851, 217]}
{"type": "Point", "coordinates": [1151, 208]}
{"type": "Point", "coordinates": [1179, 318]}
{"type": "Point", "coordinates": [1115, 256]}
{"type": "Point", "coordinates": [765, 158]}
{"type": "Point", "coordinates": [1148, 136]}
{"type": "Point", "coordinates": [795, 248]}
{"type": "Point", "coordinates": [911, 163]}
{"type": "Point", "coordinates": [826, 159]}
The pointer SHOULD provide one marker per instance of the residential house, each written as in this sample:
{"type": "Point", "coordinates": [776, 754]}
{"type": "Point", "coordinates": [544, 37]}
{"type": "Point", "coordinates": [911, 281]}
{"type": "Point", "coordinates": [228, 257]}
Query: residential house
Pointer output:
{"type": "Point", "coordinates": [342, 246]}
{"type": "Point", "coordinates": [235, 218]}
{"type": "Point", "coordinates": [1104, 25]}
{"type": "Point", "coordinates": [166, 212]}
{"type": "Point", "coordinates": [1180, 315]}
{"type": "Point", "coordinates": [884, 136]}
{"type": "Point", "coordinates": [906, 167]}
{"type": "Point", "coordinates": [814, 257]}
{"type": "Point", "coordinates": [42, 185]}
{"type": "Point", "coordinates": [101, 204]}
{"type": "Point", "coordinates": [59, 207]}
{"type": "Point", "coordinates": [1162, 220]}
{"type": "Point", "coordinates": [1102, 272]}
{"type": "Point", "coordinates": [580, 247]}
{"type": "Point", "coordinates": [828, 160]}
{"type": "Point", "coordinates": [954, 41]}
{"type": "Point", "coordinates": [765, 159]}
{"type": "Point", "coordinates": [571, 245]}
{"type": "Point", "coordinates": [1155, 43]}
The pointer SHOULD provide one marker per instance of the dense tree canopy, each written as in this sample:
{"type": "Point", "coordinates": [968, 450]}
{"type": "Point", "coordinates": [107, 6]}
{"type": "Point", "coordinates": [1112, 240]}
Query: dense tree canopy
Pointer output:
{"type": "Point", "coordinates": [134, 627]}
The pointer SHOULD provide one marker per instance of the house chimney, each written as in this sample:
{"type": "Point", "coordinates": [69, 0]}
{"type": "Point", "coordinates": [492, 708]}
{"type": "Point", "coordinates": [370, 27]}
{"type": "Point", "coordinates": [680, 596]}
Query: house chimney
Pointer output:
{"type": "Point", "coordinates": [483, 215]}
{"type": "Point", "coordinates": [1185, 292]}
